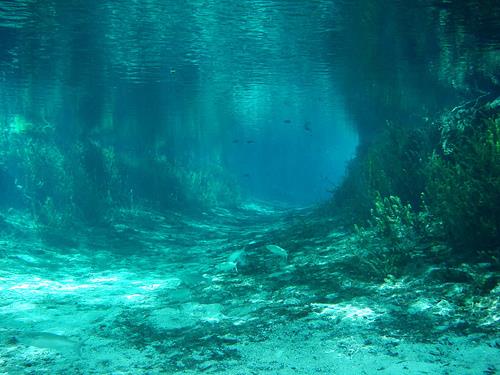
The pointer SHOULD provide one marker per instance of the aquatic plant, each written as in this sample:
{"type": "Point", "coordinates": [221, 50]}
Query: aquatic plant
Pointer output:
{"type": "Point", "coordinates": [63, 186]}
{"type": "Point", "coordinates": [463, 175]}
{"type": "Point", "coordinates": [59, 185]}
{"type": "Point", "coordinates": [392, 165]}
{"type": "Point", "coordinates": [447, 173]}
{"type": "Point", "coordinates": [386, 246]}
{"type": "Point", "coordinates": [392, 218]}
{"type": "Point", "coordinates": [158, 182]}
{"type": "Point", "coordinates": [207, 186]}
{"type": "Point", "coordinates": [42, 176]}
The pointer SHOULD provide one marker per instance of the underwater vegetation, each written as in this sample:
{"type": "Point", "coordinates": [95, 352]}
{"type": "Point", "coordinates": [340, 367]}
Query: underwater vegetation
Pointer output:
{"type": "Point", "coordinates": [157, 171]}
{"type": "Point", "coordinates": [463, 175]}
{"type": "Point", "coordinates": [64, 186]}
{"type": "Point", "coordinates": [440, 180]}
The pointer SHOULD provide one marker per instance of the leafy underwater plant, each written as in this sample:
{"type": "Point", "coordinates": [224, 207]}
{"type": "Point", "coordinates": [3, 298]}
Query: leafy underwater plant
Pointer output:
{"type": "Point", "coordinates": [463, 176]}
{"type": "Point", "coordinates": [392, 218]}
{"type": "Point", "coordinates": [393, 231]}
{"type": "Point", "coordinates": [441, 181]}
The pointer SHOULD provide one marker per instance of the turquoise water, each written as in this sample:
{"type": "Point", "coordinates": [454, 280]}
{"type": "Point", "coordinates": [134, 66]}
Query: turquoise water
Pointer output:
{"type": "Point", "coordinates": [192, 81]}
{"type": "Point", "coordinates": [249, 187]}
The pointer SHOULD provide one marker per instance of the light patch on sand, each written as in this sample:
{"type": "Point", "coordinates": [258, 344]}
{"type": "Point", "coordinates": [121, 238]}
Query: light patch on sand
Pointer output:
{"type": "Point", "coordinates": [151, 287]}
{"type": "Point", "coordinates": [103, 279]}
{"type": "Point", "coordinates": [347, 311]}
{"type": "Point", "coordinates": [134, 297]}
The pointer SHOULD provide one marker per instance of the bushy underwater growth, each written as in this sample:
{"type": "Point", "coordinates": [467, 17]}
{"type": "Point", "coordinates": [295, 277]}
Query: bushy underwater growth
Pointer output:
{"type": "Point", "coordinates": [63, 185]}
{"type": "Point", "coordinates": [42, 179]}
{"type": "Point", "coordinates": [463, 175]}
{"type": "Point", "coordinates": [390, 165]}
{"type": "Point", "coordinates": [441, 180]}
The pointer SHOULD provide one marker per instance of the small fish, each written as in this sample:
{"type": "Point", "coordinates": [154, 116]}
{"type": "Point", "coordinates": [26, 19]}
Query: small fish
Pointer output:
{"type": "Point", "coordinates": [51, 341]}
{"type": "Point", "coordinates": [238, 257]}
{"type": "Point", "coordinates": [227, 267]}
{"type": "Point", "coordinates": [250, 141]}
{"type": "Point", "coordinates": [287, 121]}
{"type": "Point", "coordinates": [278, 250]}
{"type": "Point", "coordinates": [307, 126]}
{"type": "Point", "coordinates": [236, 141]}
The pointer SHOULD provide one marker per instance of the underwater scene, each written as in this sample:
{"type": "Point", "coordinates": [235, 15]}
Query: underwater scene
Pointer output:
{"type": "Point", "coordinates": [250, 187]}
